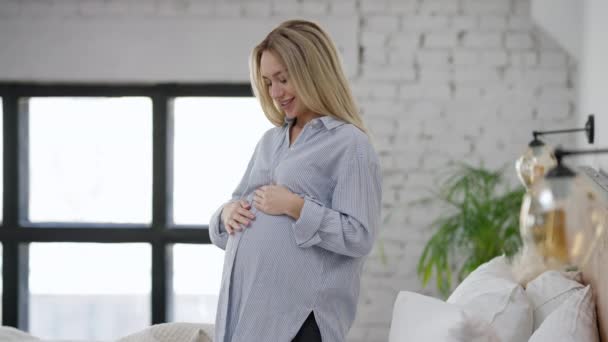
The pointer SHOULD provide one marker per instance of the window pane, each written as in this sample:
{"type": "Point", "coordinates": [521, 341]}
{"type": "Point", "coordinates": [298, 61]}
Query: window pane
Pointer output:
{"type": "Point", "coordinates": [214, 140]}
{"type": "Point", "coordinates": [90, 160]}
{"type": "Point", "coordinates": [89, 291]}
{"type": "Point", "coordinates": [197, 275]}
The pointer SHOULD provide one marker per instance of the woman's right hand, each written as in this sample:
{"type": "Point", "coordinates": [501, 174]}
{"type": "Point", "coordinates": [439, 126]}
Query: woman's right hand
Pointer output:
{"type": "Point", "coordinates": [235, 215]}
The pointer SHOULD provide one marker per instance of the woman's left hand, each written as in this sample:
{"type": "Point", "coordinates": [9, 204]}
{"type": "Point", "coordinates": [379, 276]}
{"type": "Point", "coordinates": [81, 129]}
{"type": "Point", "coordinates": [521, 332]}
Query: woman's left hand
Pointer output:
{"type": "Point", "coordinates": [274, 200]}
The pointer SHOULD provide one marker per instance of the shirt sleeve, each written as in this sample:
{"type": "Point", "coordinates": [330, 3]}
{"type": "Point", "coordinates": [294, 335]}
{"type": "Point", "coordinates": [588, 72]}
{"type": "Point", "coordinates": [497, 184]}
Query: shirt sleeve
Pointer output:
{"type": "Point", "coordinates": [349, 226]}
{"type": "Point", "coordinates": [217, 231]}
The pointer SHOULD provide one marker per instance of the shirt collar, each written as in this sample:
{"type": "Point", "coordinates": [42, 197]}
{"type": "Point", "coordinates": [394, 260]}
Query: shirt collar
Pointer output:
{"type": "Point", "coordinates": [328, 121]}
{"type": "Point", "coordinates": [288, 121]}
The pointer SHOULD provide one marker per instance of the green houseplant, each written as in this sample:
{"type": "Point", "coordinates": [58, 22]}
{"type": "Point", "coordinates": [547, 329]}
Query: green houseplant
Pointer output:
{"type": "Point", "coordinates": [481, 221]}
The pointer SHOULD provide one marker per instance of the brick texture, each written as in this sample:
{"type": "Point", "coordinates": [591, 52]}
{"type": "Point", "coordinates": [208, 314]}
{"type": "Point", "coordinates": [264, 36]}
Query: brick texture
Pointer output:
{"type": "Point", "coordinates": [439, 81]}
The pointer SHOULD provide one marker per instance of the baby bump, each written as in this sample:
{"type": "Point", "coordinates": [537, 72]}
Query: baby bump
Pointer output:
{"type": "Point", "coordinates": [268, 256]}
{"type": "Point", "coordinates": [268, 246]}
{"type": "Point", "coordinates": [266, 237]}
{"type": "Point", "coordinates": [266, 230]}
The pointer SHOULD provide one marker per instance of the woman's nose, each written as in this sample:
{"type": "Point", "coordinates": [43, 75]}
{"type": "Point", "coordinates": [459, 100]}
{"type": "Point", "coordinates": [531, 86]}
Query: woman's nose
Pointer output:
{"type": "Point", "coordinates": [276, 91]}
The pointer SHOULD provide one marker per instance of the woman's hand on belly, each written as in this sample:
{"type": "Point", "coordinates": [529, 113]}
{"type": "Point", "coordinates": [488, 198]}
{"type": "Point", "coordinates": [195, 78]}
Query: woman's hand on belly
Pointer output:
{"type": "Point", "coordinates": [277, 200]}
{"type": "Point", "coordinates": [237, 215]}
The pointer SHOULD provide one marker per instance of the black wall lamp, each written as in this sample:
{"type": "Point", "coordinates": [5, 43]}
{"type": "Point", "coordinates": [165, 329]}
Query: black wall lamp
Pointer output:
{"type": "Point", "coordinates": [539, 158]}
{"type": "Point", "coordinates": [589, 130]}
{"type": "Point", "coordinates": [561, 170]}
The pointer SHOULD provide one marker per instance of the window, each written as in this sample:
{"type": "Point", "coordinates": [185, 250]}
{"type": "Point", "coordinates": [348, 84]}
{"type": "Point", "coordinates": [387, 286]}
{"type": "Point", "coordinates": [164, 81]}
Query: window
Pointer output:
{"type": "Point", "coordinates": [108, 188]}
{"type": "Point", "coordinates": [197, 271]}
{"type": "Point", "coordinates": [84, 291]}
{"type": "Point", "coordinates": [90, 159]}
{"type": "Point", "coordinates": [211, 152]}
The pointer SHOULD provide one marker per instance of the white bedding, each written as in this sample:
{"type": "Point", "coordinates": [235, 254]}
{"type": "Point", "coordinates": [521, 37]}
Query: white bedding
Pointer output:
{"type": "Point", "coordinates": [167, 332]}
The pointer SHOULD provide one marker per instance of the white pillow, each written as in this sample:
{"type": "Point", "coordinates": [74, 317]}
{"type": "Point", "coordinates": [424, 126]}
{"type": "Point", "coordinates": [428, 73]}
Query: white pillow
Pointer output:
{"type": "Point", "coordinates": [171, 332]}
{"type": "Point", "coordinates": [492, 294]}
{"type": "Point", "coordinates": [421, 318]}
{"type": "Point", "coordinates": [547, 292]}
{"type": "Point", "coordinates": [573, 321]}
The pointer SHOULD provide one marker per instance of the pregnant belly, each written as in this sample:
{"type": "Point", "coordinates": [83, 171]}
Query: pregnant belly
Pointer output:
{"type": "Point", "coordinates": [266, 256]}
{"type": "Point", "coordinates": [268, 246]}
{"type": "Point", "coordinates": [267, 236]}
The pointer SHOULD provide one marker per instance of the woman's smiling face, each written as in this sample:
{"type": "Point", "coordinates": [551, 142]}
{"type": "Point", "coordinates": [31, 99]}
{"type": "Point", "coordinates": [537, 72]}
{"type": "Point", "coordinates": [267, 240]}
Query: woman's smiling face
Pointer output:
{"type": "Point", "coordinates": [281, 90]}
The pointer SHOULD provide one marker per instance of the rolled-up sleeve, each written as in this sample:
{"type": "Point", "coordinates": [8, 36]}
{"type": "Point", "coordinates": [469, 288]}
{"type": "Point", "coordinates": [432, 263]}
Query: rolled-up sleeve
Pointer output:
{"type": "Point", "coordinates": [217, 232]}
{"type": "Point", "coordinates": [349, 226]}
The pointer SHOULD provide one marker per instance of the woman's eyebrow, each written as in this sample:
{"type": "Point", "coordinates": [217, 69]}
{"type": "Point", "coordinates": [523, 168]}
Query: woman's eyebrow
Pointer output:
{"type": "Point", "coordinates": [273, 75]}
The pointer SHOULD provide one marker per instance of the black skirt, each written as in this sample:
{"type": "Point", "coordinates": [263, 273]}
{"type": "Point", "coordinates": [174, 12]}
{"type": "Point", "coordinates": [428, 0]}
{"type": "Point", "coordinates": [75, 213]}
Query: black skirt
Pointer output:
{"type": "Point", "coordinates": [309, 332]}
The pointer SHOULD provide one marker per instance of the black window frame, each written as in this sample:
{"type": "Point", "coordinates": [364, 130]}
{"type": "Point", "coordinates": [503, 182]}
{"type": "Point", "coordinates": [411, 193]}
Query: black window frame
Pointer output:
{"type": "Point", "coordinates": [16, 232]}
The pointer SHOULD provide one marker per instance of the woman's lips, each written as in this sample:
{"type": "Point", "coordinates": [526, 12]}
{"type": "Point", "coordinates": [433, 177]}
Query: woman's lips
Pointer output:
{"type": "Point", "coordinates": [285, 105]}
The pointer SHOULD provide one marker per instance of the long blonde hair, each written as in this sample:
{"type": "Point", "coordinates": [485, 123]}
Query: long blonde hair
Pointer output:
{"type": "Point", "coordinates": [314, 69]}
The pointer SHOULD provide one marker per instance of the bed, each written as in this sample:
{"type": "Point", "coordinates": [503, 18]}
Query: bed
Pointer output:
{"type": "Point", "coordinates": [166, 332]}
{"type": "Point", "coordinates": [595, 271]}
{"type": "Point", "coordinates": [521, 299]}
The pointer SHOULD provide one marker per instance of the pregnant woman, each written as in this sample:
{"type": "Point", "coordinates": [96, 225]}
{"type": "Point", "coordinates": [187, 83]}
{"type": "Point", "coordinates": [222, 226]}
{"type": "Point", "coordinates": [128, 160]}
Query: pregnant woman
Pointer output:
{"type": "Point", "coordinates": [305, 214]}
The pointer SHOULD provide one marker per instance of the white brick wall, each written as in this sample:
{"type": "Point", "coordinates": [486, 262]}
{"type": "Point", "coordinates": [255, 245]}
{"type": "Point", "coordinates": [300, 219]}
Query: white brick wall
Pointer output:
{"type": "Point", "coordinates": [482, 39]}
{"type": "Point", "coordinates": [440, 40]}
{"type": "Point", "coordinates": [484, 79]}
{"type": "Point", "coordinates": [436, 80]}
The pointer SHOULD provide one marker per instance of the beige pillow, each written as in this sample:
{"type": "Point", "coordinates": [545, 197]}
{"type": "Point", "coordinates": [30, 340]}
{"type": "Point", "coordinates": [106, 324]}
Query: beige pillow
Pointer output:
{"type": "Point", "coordinates": [547, 292]}
{"type": "Point", "coordinates": [574, 320]}
{"type": "Point", "coordinates": [491, 293]}
{"type": "Point", "coordinates": [171, 332]}
{"type": "Point", "coordinates": [417, 317]}
{"type": "Point", "coordinates": [12, 334]}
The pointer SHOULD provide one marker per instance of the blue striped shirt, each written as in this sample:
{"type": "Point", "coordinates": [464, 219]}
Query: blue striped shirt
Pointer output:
{"type": "Point", "coordinates": [279, 269]}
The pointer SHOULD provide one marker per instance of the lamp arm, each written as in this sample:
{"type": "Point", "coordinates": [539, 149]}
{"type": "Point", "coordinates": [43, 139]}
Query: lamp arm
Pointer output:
{"type": "Point", "coordinates": [558, 131]}
{"type": "Point", "coordinates": [589, 129]}
{"type": "Point", "coordinates": [560, 153]}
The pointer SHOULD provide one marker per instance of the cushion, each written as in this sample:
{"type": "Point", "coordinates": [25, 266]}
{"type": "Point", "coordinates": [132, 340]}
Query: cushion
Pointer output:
{"type": "Point", "coordinates": [12, 334]}
{"type": "Point", "coordinates": [170, 332]}
{"type": "Point", "coordinates": [527, 264]}
{"type": "Point", "coordinates": [574, 320]}
{"type": "Point", "coordinates": [421, 318]}
{"type": "Point", "coordinates": [492, 294]}
{"type": "Point", "coordinates": [547, 292]}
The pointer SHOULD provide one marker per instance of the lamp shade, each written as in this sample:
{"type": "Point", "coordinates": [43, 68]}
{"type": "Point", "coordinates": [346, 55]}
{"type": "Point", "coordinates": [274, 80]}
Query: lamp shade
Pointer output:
{"type": "Point", "coordinates": [556, 221]}
{"type": "Point", "coordinates": [534, 163]}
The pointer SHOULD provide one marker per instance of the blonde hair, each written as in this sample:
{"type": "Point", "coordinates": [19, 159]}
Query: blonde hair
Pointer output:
{"type": "Point", "coordinates": [314, 69]}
